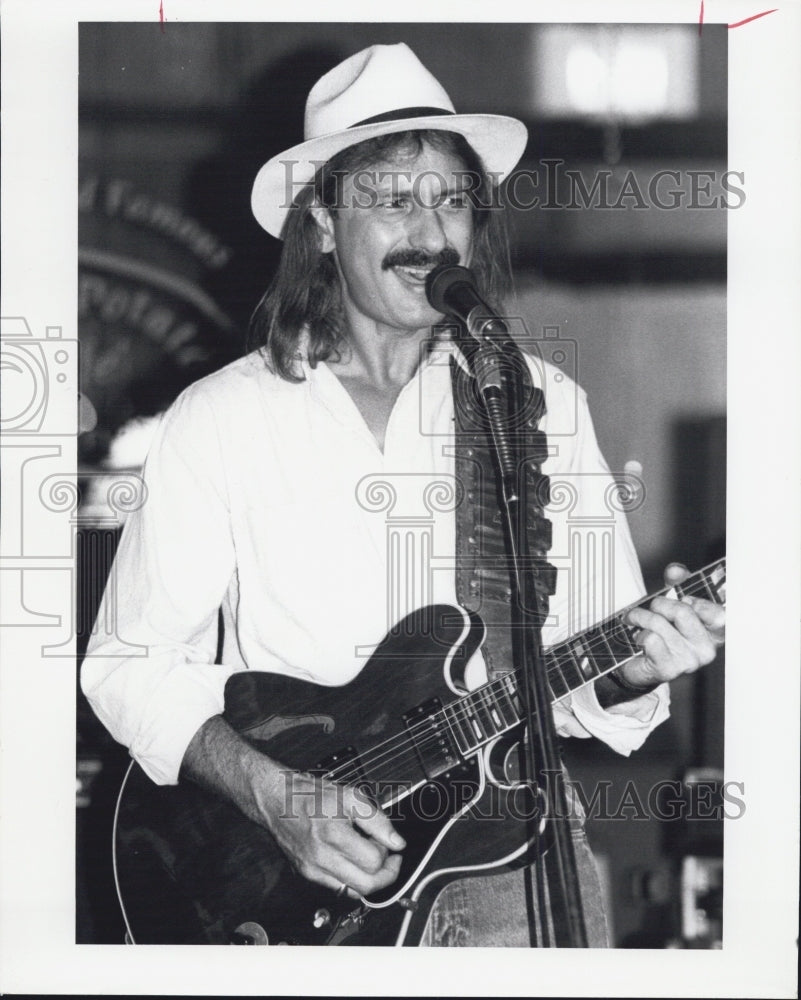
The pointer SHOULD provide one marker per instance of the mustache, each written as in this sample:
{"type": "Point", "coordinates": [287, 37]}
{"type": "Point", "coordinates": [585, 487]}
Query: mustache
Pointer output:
{"type": "Point", "coordinates": [420, 258]}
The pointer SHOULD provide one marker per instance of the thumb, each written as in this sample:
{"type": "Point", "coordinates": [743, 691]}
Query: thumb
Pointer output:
{"type": "Point", "coordinates": [675, 573]}
{"type": "Point", "coordinates": [373, 821]}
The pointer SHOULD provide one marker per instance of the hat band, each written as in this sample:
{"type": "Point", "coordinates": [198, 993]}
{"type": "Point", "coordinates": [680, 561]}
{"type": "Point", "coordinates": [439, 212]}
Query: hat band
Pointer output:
{"type": "Point", "coordinates": [401, 113]}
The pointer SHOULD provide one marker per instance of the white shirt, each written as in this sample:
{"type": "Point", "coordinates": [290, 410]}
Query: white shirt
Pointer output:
{"type": "Point", "coordinates": [270, 499]}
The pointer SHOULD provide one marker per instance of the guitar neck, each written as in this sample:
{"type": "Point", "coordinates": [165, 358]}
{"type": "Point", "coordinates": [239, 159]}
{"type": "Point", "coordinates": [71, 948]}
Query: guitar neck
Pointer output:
{"type": "Point", "coordinates": [495, 708]}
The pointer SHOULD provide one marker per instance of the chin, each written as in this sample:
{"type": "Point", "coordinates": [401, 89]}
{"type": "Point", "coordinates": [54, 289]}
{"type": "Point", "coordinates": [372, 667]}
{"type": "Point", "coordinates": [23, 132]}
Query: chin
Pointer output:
{"type": "Point", "coordinates": [414, 320]}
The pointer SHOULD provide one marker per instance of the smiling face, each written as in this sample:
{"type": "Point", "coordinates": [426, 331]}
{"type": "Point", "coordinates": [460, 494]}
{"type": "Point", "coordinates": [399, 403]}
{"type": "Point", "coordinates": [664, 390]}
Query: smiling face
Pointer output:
{"type": "Point", "coordinates": [396, 221]}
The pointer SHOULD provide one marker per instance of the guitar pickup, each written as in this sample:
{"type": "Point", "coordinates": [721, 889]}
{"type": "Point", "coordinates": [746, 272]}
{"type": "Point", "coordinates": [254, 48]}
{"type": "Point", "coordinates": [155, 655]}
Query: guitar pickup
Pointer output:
{"type": "Point", "coordinates": [431, 737]}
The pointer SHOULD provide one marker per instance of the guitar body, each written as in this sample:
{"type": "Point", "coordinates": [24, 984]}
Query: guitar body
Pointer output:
{"type": "Point", "coordinates": [192, 869]}
{"type": "Point", "coordinates": [442, 764]}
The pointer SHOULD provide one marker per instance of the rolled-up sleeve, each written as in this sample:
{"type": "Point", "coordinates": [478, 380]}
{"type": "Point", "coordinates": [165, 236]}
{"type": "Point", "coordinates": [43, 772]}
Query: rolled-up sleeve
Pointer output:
{"type": "Point", "coordinates": [623, 727]}
{"type": "Point", "coordinates": [149, 672]}
{"type": "Point", "coordinates": [580, 466]}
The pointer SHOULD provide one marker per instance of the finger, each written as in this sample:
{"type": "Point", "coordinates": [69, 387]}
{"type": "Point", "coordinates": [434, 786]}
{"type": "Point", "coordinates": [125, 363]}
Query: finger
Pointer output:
{"type": "Point", "coordinates": [368, 855]}
{"type": "Point", "coordinates": [683, 634]}
{"type": "Point", "coordinates": [360, 883]}
{"type": "Point", "coordinates": [681, 614]}
{"type": "Point", "coordinates": [374, 822]}
{"type": "Point", "coordinates": [329, 868]}
{"type": "Point", "coordinates": [650, 620]}
{"type": "Point", "coordinates": [665, 615]}
{"type": "Point", "coordinates": [337, 885]}
{"type": "Point", "coordinates": [712, 615]}
{"type": "Point", "coordinates": [675, 572]}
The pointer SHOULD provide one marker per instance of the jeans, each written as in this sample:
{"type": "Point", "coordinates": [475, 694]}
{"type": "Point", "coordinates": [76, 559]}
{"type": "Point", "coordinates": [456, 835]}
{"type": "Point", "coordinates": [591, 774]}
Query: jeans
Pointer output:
{"type": "Point", "coordinates": [491, 911]}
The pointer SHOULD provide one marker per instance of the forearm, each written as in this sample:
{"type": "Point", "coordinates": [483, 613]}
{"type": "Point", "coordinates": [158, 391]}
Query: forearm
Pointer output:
{"type": "Point", "coordinates": [331, 834]}
{"type": "Point", "coordinates": [219, 759]}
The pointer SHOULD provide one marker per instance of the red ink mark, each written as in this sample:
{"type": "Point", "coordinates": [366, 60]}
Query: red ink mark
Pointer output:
{"type": "Point", "coordinates": [701, 19]}
{"type": "Point", "coordinates": [161, 14]}
{"type": "Point", "coordinates": [752, 18]}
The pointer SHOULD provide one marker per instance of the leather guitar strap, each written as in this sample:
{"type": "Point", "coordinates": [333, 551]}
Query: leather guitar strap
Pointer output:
{"type": "Point", "coordinates": [483, 569]}
{"type": "Point", "coordinates": [483, 577]}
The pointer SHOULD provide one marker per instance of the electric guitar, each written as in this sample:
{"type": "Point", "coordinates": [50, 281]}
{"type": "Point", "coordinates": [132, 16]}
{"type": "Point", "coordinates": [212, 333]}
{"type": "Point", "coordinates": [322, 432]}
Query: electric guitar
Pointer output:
{"type": "Point", "coordinates": [442, 763]}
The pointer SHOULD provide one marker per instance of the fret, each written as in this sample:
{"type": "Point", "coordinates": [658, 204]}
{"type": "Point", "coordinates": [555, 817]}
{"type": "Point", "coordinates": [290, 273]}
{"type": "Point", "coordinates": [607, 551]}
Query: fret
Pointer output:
{"type": "Point", "coordinates": [568, 666]}
{"type": "Point", "coordinates": [490, 720]}
{"type": "Point", "coordinates": [558, 684]}
{"type": "Point", "coordinates": [582, 656]}
{"type": "Point", "coordinates": [620, 636]}
{"type": "Point", "coordinates": [717, 576]}
{"type": "Point", "coordinates": [479, 717]}
{"type": "Point", "coordinates": [503, 704]}
{"type": "Point", "coordinates": [553, 668]}
{"type": "Point", "coordinates": [570, 655]}
{"type": "Point", "coordinates": [599, 642]}
{"type": "Point", "coordinates": [696, 585]}
{"type": "Point", "coordinates": [715, 583]}
{"type": "Point", "coordinates": [495, 697]}
{"type": "Point", "coordinates": [509, 684]}
{"type": "Point", "coordinates": [472, 720]}
{"type": "Point", "coordinates": [465, 740]}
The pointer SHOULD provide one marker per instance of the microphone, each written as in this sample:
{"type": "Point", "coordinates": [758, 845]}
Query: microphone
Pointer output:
{"type": "Point", "coordinates": [451, 289]}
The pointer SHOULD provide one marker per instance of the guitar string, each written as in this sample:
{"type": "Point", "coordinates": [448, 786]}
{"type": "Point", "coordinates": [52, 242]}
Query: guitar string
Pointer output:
{"type": "Point", "coordinates": [420, 736]}
{"type": "Point", "coordinates": [611, 627]}
{"type": "Point", "coordinates": [410, 740]}
{"type": "Point", "coordinates": [417, 737]}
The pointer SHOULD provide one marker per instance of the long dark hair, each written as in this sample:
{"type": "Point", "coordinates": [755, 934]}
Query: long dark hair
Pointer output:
{"type": "Point", "coordinates": [304, 295]}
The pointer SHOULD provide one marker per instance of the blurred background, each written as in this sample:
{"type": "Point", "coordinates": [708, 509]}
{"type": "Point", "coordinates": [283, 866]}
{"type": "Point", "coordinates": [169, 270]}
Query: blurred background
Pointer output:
{"type": "Point", "coordinates": [621, 268]}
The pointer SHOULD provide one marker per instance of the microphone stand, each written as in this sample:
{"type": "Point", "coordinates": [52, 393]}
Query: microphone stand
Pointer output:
{"type": "Point", "coordinates": [485, 350]}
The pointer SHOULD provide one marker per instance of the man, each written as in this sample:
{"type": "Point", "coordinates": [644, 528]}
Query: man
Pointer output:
{"type": "Point", "coordinates": [256, 485]}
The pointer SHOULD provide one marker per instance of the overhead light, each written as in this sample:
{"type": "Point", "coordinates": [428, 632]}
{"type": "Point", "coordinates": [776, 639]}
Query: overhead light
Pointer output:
{"type": "Point", "coordinates": [616, 73]}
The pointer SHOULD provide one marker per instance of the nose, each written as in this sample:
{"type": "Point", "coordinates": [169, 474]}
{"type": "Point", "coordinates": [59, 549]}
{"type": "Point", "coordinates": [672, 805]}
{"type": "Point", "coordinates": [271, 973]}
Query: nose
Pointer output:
{"type": "Point", "coordinates": [428, 231]}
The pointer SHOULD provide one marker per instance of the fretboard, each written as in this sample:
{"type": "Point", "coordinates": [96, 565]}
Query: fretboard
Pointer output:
{"type": "Point", "coordinates": [494, 708]}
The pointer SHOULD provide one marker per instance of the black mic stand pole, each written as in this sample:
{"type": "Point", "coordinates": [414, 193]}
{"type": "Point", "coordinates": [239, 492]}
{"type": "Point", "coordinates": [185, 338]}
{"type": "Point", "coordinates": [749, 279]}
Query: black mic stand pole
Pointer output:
{"type": "Point", "coordinates": [489, 351]}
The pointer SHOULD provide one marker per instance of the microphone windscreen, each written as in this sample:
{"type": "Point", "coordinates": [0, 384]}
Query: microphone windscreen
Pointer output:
{"type": "Point", "coordinates": [441, 280]}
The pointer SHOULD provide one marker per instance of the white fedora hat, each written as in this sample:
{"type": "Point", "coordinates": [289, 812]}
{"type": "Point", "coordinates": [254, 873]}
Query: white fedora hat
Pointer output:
{"type": "Point", "coordinates": [382, 89]}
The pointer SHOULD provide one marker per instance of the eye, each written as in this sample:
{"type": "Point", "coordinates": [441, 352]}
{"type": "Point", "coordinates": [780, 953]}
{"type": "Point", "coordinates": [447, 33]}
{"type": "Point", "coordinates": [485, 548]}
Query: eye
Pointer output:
{"type": "Point", "coordinates": [456, 200]}
{"type": "Point", "coordinates": [396, 203]}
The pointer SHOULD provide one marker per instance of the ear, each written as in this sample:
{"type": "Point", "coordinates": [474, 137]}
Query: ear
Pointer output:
{"type": "Point", "coordinates": [325, 228]}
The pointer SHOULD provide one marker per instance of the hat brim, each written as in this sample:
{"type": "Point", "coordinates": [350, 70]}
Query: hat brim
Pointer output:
{"type": "Point", "coordinates": [498, 140]}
